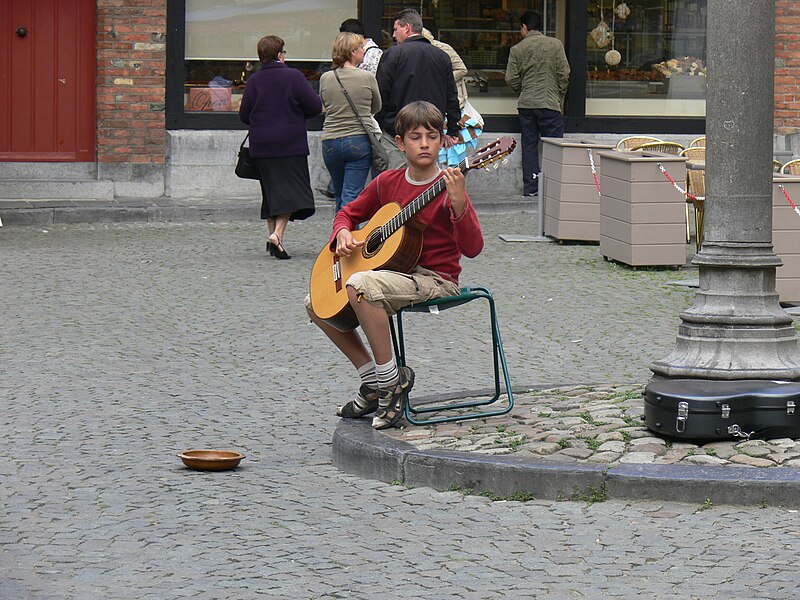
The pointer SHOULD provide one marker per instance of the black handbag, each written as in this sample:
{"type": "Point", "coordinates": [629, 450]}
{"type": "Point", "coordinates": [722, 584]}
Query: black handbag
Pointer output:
{"type": "Point", "coordinates": [245, 167]}
{"type": "Point", "coordinates": [380, 158]}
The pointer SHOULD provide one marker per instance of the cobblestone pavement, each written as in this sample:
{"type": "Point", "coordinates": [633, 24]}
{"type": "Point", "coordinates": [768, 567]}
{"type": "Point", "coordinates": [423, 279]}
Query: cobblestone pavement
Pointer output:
{"type": "Point", "coordinates": [597, 424]}
{"type": "Point", "coordinates": [124, 344]}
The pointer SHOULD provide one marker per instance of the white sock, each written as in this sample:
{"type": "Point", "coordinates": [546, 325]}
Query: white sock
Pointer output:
{"type": "Point", "coordinates": [368, 375]}
{"type": "Point", "coordinates": [369, 378]}
{"type": "Point", "coordinates": [388, 375]}
{"type": "Point", "coordinates": [388, 378]}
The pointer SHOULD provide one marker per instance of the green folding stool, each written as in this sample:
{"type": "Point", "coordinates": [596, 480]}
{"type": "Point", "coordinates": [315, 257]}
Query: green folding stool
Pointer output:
{"type": "Point", "coordinates": [467, 294]}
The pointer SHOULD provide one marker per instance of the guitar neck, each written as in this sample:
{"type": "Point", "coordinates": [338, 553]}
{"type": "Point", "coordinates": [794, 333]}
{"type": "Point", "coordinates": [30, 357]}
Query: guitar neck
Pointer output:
{"type": "Point", "coordinates": [418, 203]}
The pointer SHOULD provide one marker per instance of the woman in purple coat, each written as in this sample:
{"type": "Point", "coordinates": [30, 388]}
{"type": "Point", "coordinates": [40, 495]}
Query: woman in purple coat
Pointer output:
{"type": "Point", "coordinates": [276, 103]}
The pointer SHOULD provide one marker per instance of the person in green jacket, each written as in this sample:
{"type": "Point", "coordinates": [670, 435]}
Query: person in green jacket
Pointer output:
{"type": "Point", "coordinates": [539, 72]}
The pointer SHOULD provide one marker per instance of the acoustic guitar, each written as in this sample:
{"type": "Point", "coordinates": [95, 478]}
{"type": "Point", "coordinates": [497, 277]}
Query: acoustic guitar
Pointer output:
{"type": "Point", "coordinates": [389, 244]}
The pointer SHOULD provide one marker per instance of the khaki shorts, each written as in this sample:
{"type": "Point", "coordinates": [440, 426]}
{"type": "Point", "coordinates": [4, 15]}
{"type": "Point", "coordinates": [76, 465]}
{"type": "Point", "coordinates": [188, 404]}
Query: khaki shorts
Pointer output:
{"type": "Point", "coordinates": [393, 291]}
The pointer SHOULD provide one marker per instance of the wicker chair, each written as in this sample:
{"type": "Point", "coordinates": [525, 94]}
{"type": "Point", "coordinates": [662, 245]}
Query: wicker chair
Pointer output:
{"type": "Point", "coordinates": [792, 167]}
{"type": "Point", "coordinates": [665, 147]}
{"type": "Point", "coordinates": [695, 195]}
{"type": "Point", "coordinates": [629, 143]}
{"type": "Point", "coordinates": [696, 187]}
{"type": "Point", "coordinates": [776, 166]}
{"type": "Point", "coordinates": [694, 153]}
{"type": "Point", "coordinates": [701, 141]}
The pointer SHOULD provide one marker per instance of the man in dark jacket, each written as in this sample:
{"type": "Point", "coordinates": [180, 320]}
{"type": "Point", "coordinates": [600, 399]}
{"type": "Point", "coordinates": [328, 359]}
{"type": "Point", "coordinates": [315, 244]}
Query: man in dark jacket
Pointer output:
{"type": "Point", "coordinates": [414, 70]}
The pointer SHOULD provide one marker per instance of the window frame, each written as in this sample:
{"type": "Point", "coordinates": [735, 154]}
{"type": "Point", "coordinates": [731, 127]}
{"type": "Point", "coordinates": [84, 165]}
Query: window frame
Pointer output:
{"type": "Point", "coordinates": [576, 119]}
{"type": "Point", "coordinates": [371, 11]}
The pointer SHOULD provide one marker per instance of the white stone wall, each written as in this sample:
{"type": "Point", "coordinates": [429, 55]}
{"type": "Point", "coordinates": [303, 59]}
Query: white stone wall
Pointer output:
{"type": "Point", "coordinates": [200, 164]}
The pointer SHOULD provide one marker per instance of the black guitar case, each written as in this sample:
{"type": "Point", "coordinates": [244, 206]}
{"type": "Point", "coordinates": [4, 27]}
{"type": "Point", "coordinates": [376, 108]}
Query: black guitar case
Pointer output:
{"type": "Point", "coordinates": [706, 409]}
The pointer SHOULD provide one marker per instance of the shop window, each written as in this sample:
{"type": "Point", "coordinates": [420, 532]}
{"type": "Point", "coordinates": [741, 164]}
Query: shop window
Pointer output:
{"type": "Point", "coordinates": [482, 32]}
{"type": "Point", "coordinates": [221, 38]}
{"type": "Point", "coordinates": [646, 58]}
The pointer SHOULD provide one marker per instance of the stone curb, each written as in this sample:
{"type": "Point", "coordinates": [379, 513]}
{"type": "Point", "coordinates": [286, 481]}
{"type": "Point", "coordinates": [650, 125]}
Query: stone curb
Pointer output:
{"type": "Point", "coordinates": [125, 214]}
{"type": "Point", "coordinates": [53, 212]}
{"type": "Point", "coordinates": [360, 450]}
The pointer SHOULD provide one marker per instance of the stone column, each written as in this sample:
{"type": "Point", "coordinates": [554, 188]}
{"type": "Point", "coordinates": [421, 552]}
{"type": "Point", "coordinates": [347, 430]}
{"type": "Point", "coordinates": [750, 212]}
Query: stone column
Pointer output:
{"type": "Point", "coordinates": [736, 328]}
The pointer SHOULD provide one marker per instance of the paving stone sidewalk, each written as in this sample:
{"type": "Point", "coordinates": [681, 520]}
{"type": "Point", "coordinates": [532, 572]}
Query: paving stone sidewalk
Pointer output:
{"type": "Point", "coordinates": [123, 344]}
{"type": "Point", "coordinates": [598, 425]}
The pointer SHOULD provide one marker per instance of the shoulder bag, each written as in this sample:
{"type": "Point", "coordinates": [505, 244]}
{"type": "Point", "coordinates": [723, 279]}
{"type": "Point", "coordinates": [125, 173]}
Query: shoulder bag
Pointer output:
{"type": "Point", "coordinates": [380, 158]}
{"type": "Point", "coordinates": [245, 167]}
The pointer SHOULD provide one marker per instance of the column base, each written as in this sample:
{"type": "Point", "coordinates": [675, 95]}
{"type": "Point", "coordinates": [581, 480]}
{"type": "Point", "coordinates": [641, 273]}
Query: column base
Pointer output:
{"type": "Point", "coordinates": [736, 328]}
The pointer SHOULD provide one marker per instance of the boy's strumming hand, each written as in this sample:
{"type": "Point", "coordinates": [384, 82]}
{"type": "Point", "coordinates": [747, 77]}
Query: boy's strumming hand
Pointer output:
{"type": "Point", "coordinates": [456, 189]}
{"type": "Point", "coordinates": [346, 243]}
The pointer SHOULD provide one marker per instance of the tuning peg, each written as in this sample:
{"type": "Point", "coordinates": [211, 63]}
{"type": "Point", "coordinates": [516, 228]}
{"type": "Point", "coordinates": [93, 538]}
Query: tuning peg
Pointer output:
{"type": "Point", "coordinates": [504, 161]}
{"type": "Point", "coordinates": [488, 168]}
{"type": "Point", "coordinates": [495, 166]}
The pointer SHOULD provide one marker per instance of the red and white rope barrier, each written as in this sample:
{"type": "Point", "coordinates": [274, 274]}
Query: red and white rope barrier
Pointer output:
{"type": "Point", "coordinates": [594, 172]}
{"type": "Point", "coordinates": [677, 187]}
{"type": "Point", "coordinates": [789, 200]}
{"type": "Point", "coordinates": [690, 196]}
{"type": "Point", "coordinates": [669, 177]}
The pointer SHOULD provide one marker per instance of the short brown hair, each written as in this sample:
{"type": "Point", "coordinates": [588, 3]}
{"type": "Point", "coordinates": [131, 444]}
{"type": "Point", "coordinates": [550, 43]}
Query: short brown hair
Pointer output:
{"type": "Point", "coordinates": [409, 16]}
{"type": "Point", "coordinates": [343, 47]}
{"type": "Point", "coordinates": [419, 114]}
{"type": "Point", "coordinates": [269, 47]}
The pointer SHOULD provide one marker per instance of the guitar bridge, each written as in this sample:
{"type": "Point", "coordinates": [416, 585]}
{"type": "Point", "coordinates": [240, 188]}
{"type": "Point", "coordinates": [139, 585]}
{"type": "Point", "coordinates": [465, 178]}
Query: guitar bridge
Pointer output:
{"type": "Point", "coordinates": [337, 273]}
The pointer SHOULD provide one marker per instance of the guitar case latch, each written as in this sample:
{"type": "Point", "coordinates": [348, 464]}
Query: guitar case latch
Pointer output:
{"type": "Point", "coordinates": [683, 416]}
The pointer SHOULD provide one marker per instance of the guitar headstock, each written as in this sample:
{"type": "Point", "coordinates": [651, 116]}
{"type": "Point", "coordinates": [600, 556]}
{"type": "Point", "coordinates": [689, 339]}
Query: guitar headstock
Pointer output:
{"type": "Point", "coordinates": [491, 153]}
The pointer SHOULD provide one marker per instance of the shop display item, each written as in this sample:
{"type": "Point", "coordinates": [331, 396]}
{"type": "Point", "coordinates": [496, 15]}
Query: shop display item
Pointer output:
{"type": "Point", "coordinates": [613, 57]}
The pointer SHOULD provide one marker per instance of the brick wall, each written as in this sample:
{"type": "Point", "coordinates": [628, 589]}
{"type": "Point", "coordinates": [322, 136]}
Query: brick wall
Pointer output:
{"type": "Point", "coordinates": [131, 58]}
{"type": "Point", "coordinates": [787, 67]}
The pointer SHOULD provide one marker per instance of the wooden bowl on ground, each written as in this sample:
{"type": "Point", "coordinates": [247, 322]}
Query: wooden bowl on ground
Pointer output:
{"type": "Point", "coordinates": [211, 460]}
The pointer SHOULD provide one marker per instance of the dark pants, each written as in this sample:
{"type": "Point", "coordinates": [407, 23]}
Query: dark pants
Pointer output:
{"type": "Point", "coordinates": [536, 123]}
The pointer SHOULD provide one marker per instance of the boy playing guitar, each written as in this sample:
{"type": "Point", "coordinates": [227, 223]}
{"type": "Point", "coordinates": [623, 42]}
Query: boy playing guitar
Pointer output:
{"type": "Point", "coordinates": [449, 228]}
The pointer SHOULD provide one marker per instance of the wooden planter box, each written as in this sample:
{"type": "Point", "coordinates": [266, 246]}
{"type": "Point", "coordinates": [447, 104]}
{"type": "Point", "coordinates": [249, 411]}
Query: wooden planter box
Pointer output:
{"type": "Point", "coordinates": [571, 201]}
{"type": "Point", "coordinates": [786, 236]}
{"type": "Point", "coordinates": [642, 216]}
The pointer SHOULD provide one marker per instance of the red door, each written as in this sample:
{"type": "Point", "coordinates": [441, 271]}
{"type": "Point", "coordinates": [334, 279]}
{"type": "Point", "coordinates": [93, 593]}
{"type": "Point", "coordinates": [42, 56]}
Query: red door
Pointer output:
{"type": "Point", "coordinates": [47, 80]}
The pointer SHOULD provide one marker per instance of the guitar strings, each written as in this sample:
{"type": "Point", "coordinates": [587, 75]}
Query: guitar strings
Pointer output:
{"type": "Point", "coordinates": [382, 233]}
{"type": "Point", "coordinates": [414, 206]}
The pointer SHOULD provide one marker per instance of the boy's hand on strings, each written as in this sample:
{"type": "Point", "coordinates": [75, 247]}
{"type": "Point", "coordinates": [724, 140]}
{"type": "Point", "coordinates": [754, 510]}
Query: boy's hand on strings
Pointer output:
{"type": "Point", "coordinates": [456, 188]}
{"type": "Point", "coordinates": [346, 243]}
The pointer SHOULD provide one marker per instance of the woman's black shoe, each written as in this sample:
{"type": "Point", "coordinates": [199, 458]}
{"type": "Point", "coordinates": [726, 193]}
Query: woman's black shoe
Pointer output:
{"type": "Point", "coordinates": [278, 251]}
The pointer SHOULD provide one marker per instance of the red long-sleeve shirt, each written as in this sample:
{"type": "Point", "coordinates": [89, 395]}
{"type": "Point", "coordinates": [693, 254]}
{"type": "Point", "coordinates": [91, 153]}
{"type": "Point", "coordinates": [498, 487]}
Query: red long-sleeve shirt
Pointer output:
{"type": "Point", "coordinates": [445, 237]}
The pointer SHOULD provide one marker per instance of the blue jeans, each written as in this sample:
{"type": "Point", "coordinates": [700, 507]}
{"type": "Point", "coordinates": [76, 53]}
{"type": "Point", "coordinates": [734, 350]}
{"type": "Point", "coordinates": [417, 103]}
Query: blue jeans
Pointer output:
{"type": "Point", "coordinates": [348, 160]}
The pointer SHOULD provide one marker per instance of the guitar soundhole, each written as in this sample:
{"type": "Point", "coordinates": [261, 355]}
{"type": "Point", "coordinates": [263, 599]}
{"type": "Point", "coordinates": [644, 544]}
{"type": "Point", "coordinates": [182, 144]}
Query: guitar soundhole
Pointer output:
{"type": "Point", "coordinates": [373, 243]}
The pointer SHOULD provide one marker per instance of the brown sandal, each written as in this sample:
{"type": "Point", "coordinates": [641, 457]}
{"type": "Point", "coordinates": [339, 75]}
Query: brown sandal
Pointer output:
{"type": "Point", "coordinates": [387, 416]}
{"type": "Point", "coordinates": [351, 411]}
